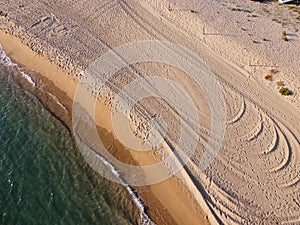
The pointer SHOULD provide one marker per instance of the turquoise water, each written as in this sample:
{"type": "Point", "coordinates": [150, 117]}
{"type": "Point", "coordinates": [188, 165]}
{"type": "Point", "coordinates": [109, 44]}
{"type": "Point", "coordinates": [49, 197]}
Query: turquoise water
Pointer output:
{"type": "Point", "coordinates": [43, 178]}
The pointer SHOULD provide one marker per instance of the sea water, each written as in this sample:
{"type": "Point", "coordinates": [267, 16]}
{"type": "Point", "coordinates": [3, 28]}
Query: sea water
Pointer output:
{"type": "Point", "coordinates": [43, 178]}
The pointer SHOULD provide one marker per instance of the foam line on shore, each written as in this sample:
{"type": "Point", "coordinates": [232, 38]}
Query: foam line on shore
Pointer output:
{"type": "Point", "coordinates": [144, 217]}
{"type": "Point", "coordinates": [6, 61]}
{"type": "Point", "coordinates": [145, 220]}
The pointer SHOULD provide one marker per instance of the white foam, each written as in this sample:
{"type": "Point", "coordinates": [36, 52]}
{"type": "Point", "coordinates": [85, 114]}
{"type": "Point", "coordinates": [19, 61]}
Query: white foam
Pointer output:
{"type": "Point", "coordinates": [28, 78]}
{"type": "Point", "coordinates": [57, 101]}
{"type": "Point", "coordinates": [145, 220]}
{"type": "Point", "coordinates": [6, 61]}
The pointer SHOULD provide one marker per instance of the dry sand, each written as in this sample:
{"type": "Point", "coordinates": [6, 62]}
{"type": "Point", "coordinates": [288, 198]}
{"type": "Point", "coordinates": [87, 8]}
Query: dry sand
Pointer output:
{"type": "Point", "coordinates": [255, 177]}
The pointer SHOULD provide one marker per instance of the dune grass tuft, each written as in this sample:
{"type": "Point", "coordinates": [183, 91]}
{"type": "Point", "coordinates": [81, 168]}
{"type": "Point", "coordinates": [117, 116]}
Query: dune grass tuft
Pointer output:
{"type": "Point", "coordinates": [285, 91]}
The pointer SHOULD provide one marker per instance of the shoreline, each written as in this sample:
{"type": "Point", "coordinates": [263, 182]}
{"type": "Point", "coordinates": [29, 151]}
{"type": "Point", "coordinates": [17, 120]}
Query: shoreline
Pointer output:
{"type": "Point", "coordinates": [240, 42]}
{"type": "Point", "coordinates": [162, 192]}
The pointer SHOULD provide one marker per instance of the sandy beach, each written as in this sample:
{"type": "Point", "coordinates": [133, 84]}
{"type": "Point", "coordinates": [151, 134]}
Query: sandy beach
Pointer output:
{"type": "Point", "coordinates": [253, 50]}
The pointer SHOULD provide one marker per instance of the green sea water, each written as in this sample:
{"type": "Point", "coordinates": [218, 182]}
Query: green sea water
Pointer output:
{"type": "Point", "coordinates": [43, 178]}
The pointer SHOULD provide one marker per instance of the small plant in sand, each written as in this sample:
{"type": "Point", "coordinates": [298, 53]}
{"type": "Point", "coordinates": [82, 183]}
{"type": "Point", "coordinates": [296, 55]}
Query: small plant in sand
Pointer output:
{"type": "Point", "coordinates": [239, 9]}
{"type": "Point", "coordinates": [280, 83]}
{"type": "Point", "coordinates": [276, 20]}
{"type": "Point", "coordinates": [284, 24]}
{"type": "Point", "coordinates": [170, 7]}
{"type": "Point", "coordinates": [254, 41]}
{"type": "Point", "coordinates": [285, 91]}
{"type": "Point", "coordinates": [296, 10]}
{"type": "Point", "coordinates": [272, 71]}
{"type": "Point", "coordinates": [285, 38]}
{"type": "Point", "coordinates": [265, 10]}
{"type": "Point", "coordinates": [269, 77]}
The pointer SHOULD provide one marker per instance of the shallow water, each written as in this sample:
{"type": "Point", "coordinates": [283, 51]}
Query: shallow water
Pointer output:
{"type": "Point", "coordinates": [43, 178]}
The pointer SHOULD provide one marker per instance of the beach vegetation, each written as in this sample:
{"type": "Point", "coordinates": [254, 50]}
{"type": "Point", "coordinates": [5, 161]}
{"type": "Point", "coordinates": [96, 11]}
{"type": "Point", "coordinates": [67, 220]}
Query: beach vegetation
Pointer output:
{"type": "Point", "coordinates": [193, 11]}
{"type": "Point", "coordinates": [239, 9]}
{"type": "Point", "coordinates": [265, 10]}
{"type": "Point", "coordinates": [285, 38]}
{"type": "Point", "coordinates": [284, 24]}
{"type": "Point", "coordinates": [296, 10]}
{"type": "Point", "coordinates": [284, 32]}
{"type": "Point", "coordinates": [269, 77]}
{"type": "Point", "coordinates": [285, 91]}
{"type": "Point", "coordinates": [276, 20]}
{"type": "Point", "coordinates": [272, 71]}
{"type": "Point", "coordinates": [280, 83]}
